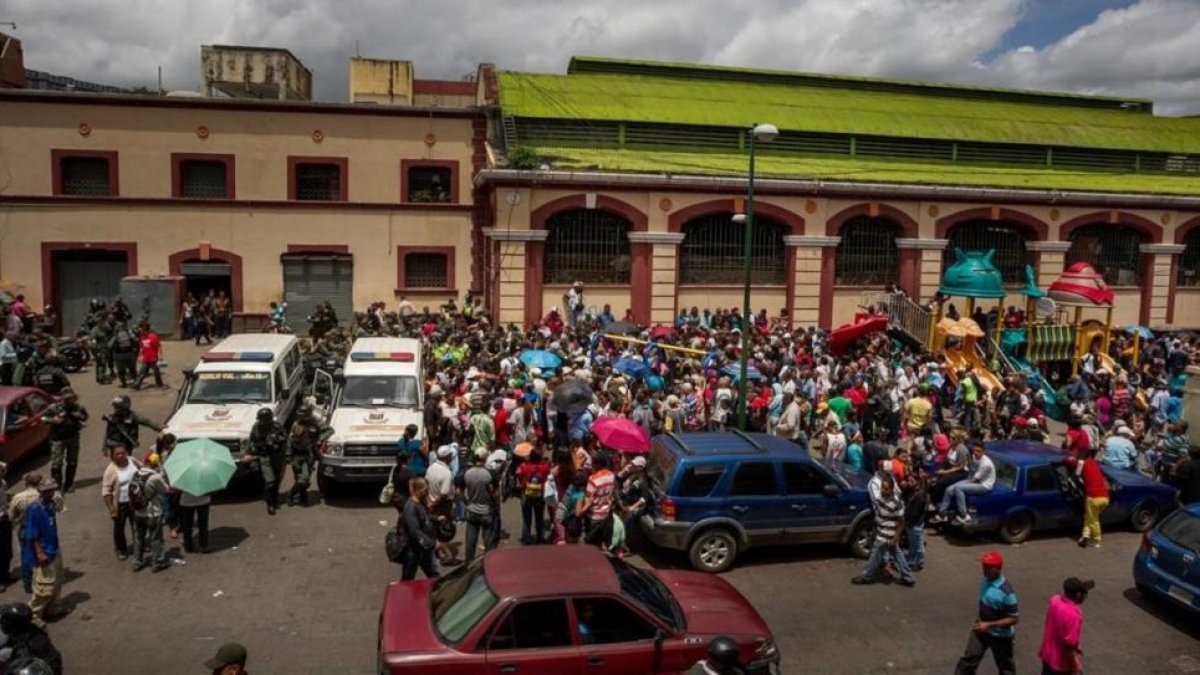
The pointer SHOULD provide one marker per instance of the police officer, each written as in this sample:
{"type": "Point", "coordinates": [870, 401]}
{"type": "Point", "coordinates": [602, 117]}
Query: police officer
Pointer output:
{"type": "Point", "coordinates": [101, 336]}
{"type": "Point", "coordinates": [66, 419]}
{"type": "Point", "coordinates": [268, 447]}
{"type": "Point", "coordinates": [124, 346]}
{"type": "Point", "coordinates": [50, 377]}
{"type": "Point", "coordinates": [122, 425]}
{"type": "Point", "coordinates": [25, 639]}
{"type": "Point", "coordinates": [308, 433]}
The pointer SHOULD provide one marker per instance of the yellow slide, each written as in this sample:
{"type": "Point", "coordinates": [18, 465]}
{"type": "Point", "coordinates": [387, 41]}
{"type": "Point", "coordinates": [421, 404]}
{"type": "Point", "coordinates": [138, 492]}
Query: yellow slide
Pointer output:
{"type": "Point", "coordinates": [959, 360]}
{"type": "Point", "coordinates": [1087, 335]}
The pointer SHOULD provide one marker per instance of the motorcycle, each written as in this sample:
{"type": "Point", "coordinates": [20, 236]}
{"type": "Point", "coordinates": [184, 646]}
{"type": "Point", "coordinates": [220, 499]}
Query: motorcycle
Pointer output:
{"type": "Point", "coordinates": [74, 353]}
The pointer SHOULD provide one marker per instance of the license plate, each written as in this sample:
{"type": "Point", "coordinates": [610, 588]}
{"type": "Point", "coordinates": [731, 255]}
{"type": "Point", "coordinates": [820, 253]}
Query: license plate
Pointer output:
{"type": "Point", "coordinates": [1181, 595]}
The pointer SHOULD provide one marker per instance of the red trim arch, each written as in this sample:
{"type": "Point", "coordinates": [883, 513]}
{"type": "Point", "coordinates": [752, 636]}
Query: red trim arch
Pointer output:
{"type": "Point", "coordinates": [910, 259]}
{"type": "Point", "coordinates": [793, 220]}
{"type": "Point", "coordinates": [539, 216]}
{"type": "Point", "coordinates": [1034, 226]}
{"type": "Point", "coordinates": [176, 260]}
{"type": "Point", "coordinates": [1181, 233]}
{"type": "Point", "coordinates": [908, 226]}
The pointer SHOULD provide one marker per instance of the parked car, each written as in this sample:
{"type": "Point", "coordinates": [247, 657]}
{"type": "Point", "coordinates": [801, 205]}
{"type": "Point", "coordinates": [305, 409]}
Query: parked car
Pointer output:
{"type": "Point", "coordinates": [564, 609]}
{"type": "Point", "coordinates": [1035, 491]}
{"type": "Point", "coordinates": [1168, 563]}
{"type": "Point", "coordinates": [22, 430]}
{"type": "Point", "coordinates": [715, 495]}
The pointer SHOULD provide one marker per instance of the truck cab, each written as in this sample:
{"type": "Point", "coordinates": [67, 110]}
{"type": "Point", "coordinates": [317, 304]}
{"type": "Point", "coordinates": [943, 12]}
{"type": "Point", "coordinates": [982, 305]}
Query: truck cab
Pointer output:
{"type": "Point", "coordinates": [222, 395]}
{"type": "Point", "coordinates": [368, 403]}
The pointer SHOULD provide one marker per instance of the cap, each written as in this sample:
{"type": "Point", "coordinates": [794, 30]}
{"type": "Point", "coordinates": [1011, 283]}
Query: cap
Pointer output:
{"type": "Point", "coordinates": [229, 654]}
{"type": "Point", "coordinates": [639, 461]}
{"type": "Point", "coordinates": [1074, 585]}
{"type": "Point", "coordinates": [1124, 431]}
{"type": "Point", "coordinates": [445, 451]}
{"type": "Point", "coordinates": [1031, 422]}
{"type": "Point", "coordinates": [47, 485]}
{"type": "Point", "coordinates": [992, 559]}
{"type": "Point", "coordinates": [150, 458]}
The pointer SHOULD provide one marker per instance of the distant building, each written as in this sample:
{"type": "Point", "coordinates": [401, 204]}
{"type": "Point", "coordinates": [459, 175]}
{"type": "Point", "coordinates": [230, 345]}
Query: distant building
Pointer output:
{"type": "Point", "coordinates": [36, 79]}
{"type": "Point", "coordinates": [254, 72]}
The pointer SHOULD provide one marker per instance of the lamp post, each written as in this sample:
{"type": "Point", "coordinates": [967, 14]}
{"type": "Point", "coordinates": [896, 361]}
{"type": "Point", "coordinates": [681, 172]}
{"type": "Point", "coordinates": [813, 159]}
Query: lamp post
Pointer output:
{"type": "Point", "coordinates": [765, 133]}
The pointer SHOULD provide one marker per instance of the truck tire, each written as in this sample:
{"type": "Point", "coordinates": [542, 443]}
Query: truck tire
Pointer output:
{"type": "Point", "coordinates": [1016, 527]}
{"type": "Point", "coordinates": [713, 550]}
{"type": "Point", "coordinates": [862, 538]}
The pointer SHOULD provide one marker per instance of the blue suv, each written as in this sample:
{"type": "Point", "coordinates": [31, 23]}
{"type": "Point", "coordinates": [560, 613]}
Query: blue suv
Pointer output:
{"type": "Point", "coordinates": [717, 494]}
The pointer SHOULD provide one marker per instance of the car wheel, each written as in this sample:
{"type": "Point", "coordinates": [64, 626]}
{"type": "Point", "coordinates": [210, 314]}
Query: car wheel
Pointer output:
{"type": "Point", "coordinates": [862, 537]}
{"type": "Point", "coordinates": [713, 551]}
{"type": "Point", "coordinates": [1016, 528]}
{"type": "Point", "coordinates": [1144, 516]}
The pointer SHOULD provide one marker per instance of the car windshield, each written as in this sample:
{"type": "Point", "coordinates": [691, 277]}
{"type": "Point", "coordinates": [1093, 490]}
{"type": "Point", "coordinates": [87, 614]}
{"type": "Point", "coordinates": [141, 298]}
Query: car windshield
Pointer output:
{"type": "Point", "coordinates": [1182, 529]}
{"type": "Point", "coordinates": [389, 390]}
{"type": "Point", "coordinates": [649, 592]}
{"type": "Point", "coordinates": [230, 387]}
{"type": "Point", "coordinates": [459, 600]}
{"type": "Point", "coordinates": [1006, 472]}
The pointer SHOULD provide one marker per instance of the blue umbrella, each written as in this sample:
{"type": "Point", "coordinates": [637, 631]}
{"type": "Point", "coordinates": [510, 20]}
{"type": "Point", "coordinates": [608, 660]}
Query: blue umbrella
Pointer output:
{"type": "Point", "coordinates": [1140, 331]}
{"type": "Point", "coordinates": [734, 370]}
{"type": "Point", "coordinates": [632, 367]}
{"type": "Point", "coordinates": [540, 358]}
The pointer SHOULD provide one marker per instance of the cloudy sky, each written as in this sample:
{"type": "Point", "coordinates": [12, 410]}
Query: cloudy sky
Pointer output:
{"type": "Point", "coordinates": [1147, 48]}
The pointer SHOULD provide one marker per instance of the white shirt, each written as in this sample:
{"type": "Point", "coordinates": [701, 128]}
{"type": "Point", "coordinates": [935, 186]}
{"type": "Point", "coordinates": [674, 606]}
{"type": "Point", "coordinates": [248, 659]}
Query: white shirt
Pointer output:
{"type": "Point", "coordinates": [124, 477]}
{"type": "Point", "coordinates": [441, 480]}
{"type": "Point", "coordinates": [985, 472]}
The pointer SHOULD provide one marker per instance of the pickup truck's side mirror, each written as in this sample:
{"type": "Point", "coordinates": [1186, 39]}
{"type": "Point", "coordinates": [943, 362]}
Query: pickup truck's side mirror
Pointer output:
{"type": "Point", "coordinates": [189, 372]}
{"type": "Point", "coordinates": [832, 491]}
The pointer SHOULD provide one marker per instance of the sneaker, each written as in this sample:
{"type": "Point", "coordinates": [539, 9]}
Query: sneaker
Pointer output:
{"type": "Point", "coordinates": [1093, 544]}
{"type": "Point", "coordinates": [139, 566]}
{"type": "Point", "coordinates": [961, 520]}
{"type": "Point", "coordinates": [1082, 542]}
{"type": "Point", "coordinates": [907, 583]}
{"type": "Point", "coordinates": [122, 556]}
{"type": "Point", "coordinates": [158, 567]}
{"type": "Point", "coordinates": [937, 519]}
{"type": "Point", "coordinates": [862, 581]}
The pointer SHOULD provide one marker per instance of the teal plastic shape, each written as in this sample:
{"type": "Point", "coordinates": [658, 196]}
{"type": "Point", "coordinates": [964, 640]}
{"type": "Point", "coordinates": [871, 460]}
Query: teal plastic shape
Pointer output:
{"type": "Point", "coordinates": [973, 276]}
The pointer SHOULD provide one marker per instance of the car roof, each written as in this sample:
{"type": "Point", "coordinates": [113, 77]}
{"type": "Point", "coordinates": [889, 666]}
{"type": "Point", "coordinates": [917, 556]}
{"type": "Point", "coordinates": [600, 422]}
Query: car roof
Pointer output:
{"type": "Point", "coordinates": [730, 444]}
{"type": "Point", "coordinates": [254, 342]}
{"type": "Point", "coordinates": [10, 394]}
{"type": "Point", "coordinates": [521, 571]}
{"type": "Point", "coordinates": [1025, 452]}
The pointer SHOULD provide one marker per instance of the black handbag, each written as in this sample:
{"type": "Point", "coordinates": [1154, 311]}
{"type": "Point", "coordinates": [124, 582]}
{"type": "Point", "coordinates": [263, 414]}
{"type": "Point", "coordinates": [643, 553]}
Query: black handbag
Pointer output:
{"type": "Point", "coordinates": [444, 530]}
{"type": "Point", "coordinates": [395, 543]}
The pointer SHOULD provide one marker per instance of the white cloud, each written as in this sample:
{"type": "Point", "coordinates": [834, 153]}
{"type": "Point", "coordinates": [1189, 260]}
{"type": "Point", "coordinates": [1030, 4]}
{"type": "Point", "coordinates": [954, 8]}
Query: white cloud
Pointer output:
{"type": "Point", "coordinates": [1148, 49]}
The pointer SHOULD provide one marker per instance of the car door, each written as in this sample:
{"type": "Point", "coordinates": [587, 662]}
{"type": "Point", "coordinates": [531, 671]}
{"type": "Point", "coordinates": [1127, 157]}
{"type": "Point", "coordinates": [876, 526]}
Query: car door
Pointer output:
{"type": "Point", "coordinates": [614, 638]}
{"type": "Point", "coordinates": [1048, 498]}
{"type": "Point", "coordinates": [322, 392]}
{"type": "Point", "coordinates": [25, 430]}
{"type": "Point", "coordinates": [811, 515]}
{"type": "Point", "coordinates": [534, 638]}
{"type": "Point", "coordinates": [754, 501]}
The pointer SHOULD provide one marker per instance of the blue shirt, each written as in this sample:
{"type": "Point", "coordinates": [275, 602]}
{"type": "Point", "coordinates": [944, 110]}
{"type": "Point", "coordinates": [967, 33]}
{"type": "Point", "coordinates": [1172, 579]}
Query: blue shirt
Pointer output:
{"type": "Point", "coordinates": [41, 526]}
{"type": "Point", "coordinates": [1120, 453]}
{"type": "Point", "coordinates": [416, 463]}
{"type": "Point", "coordinates": [854, 457]}
{"type": "Point", "coordinates": [997, 600]}
{"type": "Point", "coordinates": [581, 426]}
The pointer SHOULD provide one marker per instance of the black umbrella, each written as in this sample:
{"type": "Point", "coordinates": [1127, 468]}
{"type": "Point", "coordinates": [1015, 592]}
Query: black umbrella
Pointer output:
{"type": "Point", "coordinates": [623, 328]}
{"type": "Point", "coordinates": [572, 396]}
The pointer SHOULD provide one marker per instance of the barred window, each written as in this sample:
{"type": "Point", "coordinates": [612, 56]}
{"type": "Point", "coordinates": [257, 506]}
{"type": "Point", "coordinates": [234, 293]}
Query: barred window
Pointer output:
{"type": "Point", "coordinates": [1006, 239]}
{"type": "Point", "coordinates": [867, 254]}
{"type": "Point", "coordinates": [428, 184]}
{"type": "Point", "coordinates": [318, 181]}
{"type": "Point", "coordinates": [203, 179]}
{"type": "Point", "coordinates": [1189, 261]}
{"type": "Point", "coordinates": [713, 251]}
{"type": "Point", "coordinates": [88, 176]}
{"type": "Point", "coordinates": [587, 245]}
{"type": "Point", "coordinates": [1114, 250]}
{"type": "Point", "coordinates": [426, 270]}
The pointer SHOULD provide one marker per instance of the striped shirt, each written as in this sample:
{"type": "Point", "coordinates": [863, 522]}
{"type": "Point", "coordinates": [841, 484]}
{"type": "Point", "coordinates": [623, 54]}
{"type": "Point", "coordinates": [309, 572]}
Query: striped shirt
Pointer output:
{"type": "Point", "coordinates": [997, 600]}
{"type": "Point", "coordinates": [889, 517]}
{"type": "Point", "coordinates": [600, 493]}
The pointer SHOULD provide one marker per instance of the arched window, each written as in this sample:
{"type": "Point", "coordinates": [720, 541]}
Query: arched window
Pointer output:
{"type": "Point", "coordinates": [1006, 239]}
{"type": "Point", "coordinates": [1189, 261]}
{"type": "Point", "coordinates": [867, 254]}
{"type": "Point", "coordinates": [713, 251]}
{"type": "Point", "coordinates": [587, 245]}
{"type": "Point", "coordinates": [1114, 250]}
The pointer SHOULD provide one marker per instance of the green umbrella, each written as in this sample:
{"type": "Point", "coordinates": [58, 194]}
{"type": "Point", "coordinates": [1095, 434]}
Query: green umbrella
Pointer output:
{"type": "Point", "coordinates": [200, 466]}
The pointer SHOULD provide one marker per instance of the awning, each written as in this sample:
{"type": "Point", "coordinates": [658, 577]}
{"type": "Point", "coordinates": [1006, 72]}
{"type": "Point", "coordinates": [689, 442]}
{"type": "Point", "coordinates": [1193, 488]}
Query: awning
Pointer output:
{"type": "Point", "coordinates": [1053, 342]}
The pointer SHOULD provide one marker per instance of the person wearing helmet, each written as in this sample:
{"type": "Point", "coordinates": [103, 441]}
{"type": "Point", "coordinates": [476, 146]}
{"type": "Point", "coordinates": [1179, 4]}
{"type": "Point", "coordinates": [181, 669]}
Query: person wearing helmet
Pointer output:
{"type": "Point", "coordinates": [66, 418]}
{"type": "Point", "coordinates": [124, 348]}
{"type": "Point", "coordinates": [28, 644]}
{"type": "Point", "coordinates": [268, 448]}
{"type": "Point", "coordinates": [123, 424]}
{"type": "Point", "coordinates": [308, 434]}
{"type": "Point", "coordinates": [998, 616]}
{"type": "Point", "coordinates": [50, 377]}
{"type": "Point", "coordinates": [101, 335]}
{"type": "Point", "coordinates": [724, 658]}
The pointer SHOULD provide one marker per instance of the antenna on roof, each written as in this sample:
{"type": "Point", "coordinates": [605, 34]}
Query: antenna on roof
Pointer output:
{"type": "Point", "coordinates": [357, 51]}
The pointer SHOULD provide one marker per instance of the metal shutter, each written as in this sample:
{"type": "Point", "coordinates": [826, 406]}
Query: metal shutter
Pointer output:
{"type": "Point", "coordinates": [309, 279]}
{"type": "Point", "coordinates": [79, 281]}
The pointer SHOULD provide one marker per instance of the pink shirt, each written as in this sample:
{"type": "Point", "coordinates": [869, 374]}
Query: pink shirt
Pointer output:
{"type": "Point", "coordinates": [1060, 638]}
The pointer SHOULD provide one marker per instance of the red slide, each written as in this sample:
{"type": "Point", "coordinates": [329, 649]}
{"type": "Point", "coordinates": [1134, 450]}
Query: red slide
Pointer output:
{"type": "Point", "coordinates": [842, 337]}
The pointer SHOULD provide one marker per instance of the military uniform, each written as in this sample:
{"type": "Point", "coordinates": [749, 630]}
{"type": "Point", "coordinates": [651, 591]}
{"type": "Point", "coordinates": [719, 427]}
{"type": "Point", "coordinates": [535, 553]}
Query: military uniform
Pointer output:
{"type": "Point", "coordinates": [306, 438]}
{"type": "Point", "coordinates": [124, 347]}
{"type": "Point", "coordinates": [66, 420]}
{"type": "Point", "coordinates": [101, 336]}
{"type": "Point", "coordinates": [51, 379]}
{"type": "Point", "coordinates": [122, 429]}
{"type": "Point", "coordinates": [268, 447]}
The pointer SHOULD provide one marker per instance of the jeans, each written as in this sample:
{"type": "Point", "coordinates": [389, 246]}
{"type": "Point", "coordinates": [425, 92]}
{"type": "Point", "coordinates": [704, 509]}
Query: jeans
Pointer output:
{"type": "Point", "coordinates": [968, 415]}
{"type": "Point", "coordinates": [198, 515]}
{"type": "Point", "coordinates": [977, 646]}
{"type": "Point", "coordinates": [875, 563]}
{"type": "Point", "coordinates": [533, 510]}
{"type": "Point", "coordinates": [414, 557]}
{"type": "Point", "coordinates": [475, 525]}
{"type": "Point", "coordinates": [958, 492]}
{"type": "Point", "coordinates": [916, 545]}
{"type": "Point", "coordinates": [148, 530]}
{"type": "Point", "coordinates": [145, 369]}
{"type": "Point", "coordinates": [120, 522]}
{"type": "Point", "coordinates": [26, 569]}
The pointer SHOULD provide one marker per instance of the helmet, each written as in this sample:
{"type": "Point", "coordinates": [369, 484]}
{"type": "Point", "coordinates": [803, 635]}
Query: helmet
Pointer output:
{"type": "Point", "coordinates": [265, 415]}
{"type": "Point", "coordinates": [29, 665]}
{"type": "Point", "coordinates": [723, 653]}
{"type": "Point", "coordinates": [120, 402]}
{"type": "Point", "coordinates": [15, 618]}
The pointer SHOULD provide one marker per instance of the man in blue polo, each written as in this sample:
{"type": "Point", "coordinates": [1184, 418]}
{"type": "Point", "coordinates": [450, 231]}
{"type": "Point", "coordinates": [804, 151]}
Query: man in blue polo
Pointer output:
{"type": "Point", "coordinates": [998, 616]}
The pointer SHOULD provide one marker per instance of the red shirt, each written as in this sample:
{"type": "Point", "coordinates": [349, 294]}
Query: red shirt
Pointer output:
{"type": "Point", "coordinates": [501, 421]}
{"type": "Point", "coordinates": [529, 470]}
{"type": "Point", "coordinates": [151, 347]}
{"type": "Point", "coordinates": [1094, 483]}
{"type": "Point", "coordinates": [1077, 442]}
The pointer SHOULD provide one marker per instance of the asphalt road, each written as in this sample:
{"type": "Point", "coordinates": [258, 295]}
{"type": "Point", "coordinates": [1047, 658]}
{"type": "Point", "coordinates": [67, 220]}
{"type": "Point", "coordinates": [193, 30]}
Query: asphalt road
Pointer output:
{"type": "Point", "coordinates": [302, 589]}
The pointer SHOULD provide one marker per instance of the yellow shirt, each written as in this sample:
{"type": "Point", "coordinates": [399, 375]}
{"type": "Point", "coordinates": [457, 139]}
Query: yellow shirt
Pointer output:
{"type": "Point", "coordinates": [917, 410]}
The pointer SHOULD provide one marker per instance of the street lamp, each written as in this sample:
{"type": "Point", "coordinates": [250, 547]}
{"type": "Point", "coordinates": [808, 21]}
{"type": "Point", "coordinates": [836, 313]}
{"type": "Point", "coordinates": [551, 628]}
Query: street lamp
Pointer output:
{"type": "Point", "coordinates": [765, 133]}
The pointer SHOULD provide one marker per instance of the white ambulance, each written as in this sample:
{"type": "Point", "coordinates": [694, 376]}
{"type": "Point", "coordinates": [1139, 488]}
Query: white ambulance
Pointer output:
{"type": "Point", "coordinates": [368, 403]}
{"type": "Point", "coordinates": [222, 395]}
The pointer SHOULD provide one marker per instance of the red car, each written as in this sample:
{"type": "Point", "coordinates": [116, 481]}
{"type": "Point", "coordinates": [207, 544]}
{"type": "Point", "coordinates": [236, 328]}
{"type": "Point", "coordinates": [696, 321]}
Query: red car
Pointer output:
{"type": "Point", "coordinates": [565, 610]}
{"type": "Point", "coordinates": [22, 430]}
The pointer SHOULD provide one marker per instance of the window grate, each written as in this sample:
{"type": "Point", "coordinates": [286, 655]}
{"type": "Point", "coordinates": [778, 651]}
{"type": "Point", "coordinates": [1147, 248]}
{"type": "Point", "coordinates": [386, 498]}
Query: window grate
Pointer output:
{"type": "Point", "coordinates": [1114, 250]}
{"type": "Point", "coordinates": [587, 245]}
{"type": "Point", "coordinates": [203, 179]}
{"type": "Point", "coordinates": [319, 182]}
{"type": "Point", "coordinates": [428, 184]}
{"type": "Point", "coordinates": [867, 254]}
{"type": "Point", "coordinates": [1189, 261]}
{"type": "Point", "coordinates": [426, 270]}
{"type": "Point", "coordinates": [713, 251]}
{"type": "Point", "coordinates": [85, 176]}
{"type": "Point", "coordinates": [1006, 239]}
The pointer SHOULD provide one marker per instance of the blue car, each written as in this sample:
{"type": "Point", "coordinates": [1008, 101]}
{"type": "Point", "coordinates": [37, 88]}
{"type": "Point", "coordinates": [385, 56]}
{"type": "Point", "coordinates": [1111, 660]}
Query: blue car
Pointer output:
{"type": "Point", "coordinates": [1035, 491]}
{"type": "Point", "coordinates": [715, 495]}
{"type": "Point", "coordinates": [1168, 564]}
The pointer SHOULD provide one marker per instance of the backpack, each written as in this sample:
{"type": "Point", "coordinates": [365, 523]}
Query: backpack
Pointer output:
{"type": "Point", "coordinates": [534, 489]}
{"type": "Point", "coordinates": [124, 342]}
{"type": "Point", "coordinates": [138, 499]}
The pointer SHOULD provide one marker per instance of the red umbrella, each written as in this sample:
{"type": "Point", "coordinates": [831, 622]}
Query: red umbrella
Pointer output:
{"type": "Point", "coordinates": [622, 434]}
{"type": "Point", "coordinates": [662, 331]}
